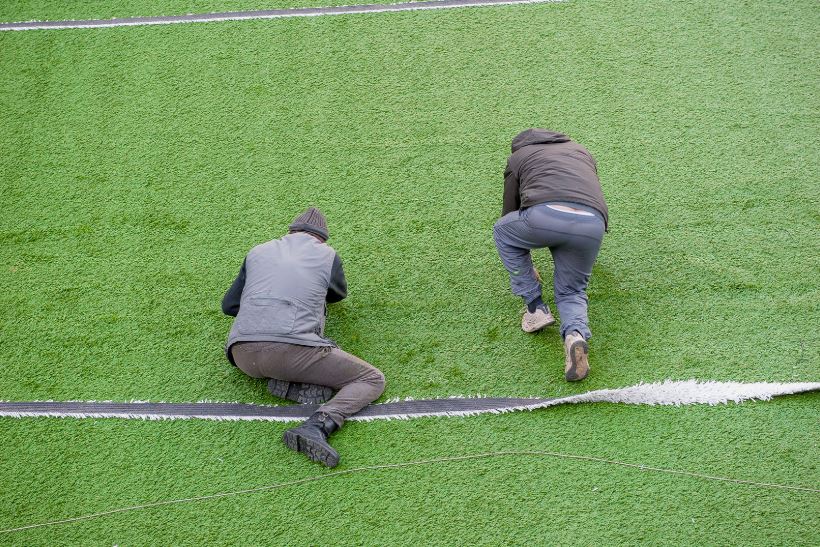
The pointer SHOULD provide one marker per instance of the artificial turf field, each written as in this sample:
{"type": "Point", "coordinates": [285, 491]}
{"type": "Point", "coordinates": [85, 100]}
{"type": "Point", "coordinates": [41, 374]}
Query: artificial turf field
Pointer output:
{"type": "Point", "coordinates": [139, 164]}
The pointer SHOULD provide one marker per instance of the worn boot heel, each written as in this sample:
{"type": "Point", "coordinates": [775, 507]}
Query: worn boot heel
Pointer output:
{"type": "Point", "coordinates": [576, 350]}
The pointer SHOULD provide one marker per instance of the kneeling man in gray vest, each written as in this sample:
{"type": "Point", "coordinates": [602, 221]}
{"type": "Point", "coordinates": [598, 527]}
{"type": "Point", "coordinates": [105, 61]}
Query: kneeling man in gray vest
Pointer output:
{"type": "Point", "coordinates": [280, 301]}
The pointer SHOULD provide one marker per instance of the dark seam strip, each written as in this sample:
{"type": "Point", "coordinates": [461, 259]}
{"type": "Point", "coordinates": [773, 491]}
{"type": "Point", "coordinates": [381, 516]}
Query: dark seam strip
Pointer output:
{"type": "Point", "coordinates": [242, 411]}
{"type": "Point", "coordinates": [258, 14]}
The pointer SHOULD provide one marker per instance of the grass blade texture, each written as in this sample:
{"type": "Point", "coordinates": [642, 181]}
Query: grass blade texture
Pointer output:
{"type": "Point", "coordinates": [138, 165]}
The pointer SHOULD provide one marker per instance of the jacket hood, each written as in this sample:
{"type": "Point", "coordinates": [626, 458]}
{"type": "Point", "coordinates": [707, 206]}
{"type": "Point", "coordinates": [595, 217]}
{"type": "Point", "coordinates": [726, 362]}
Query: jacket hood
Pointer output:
{"type": "Point", "coordinates": [537, 136]}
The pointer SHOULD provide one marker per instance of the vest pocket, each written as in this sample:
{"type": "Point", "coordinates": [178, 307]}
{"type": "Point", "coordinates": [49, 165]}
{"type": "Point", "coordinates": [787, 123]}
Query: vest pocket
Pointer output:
{"type": "Point", "coordinates": [266, 315]}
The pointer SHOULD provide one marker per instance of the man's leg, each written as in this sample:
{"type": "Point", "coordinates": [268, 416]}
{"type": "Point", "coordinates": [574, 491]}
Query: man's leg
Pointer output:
{"type": "Point", "coordinates": [573, 260]}
{"type": "Point", "coordinates": [358, 384]}
{"type": "Point", "coordinates": [514, 238]}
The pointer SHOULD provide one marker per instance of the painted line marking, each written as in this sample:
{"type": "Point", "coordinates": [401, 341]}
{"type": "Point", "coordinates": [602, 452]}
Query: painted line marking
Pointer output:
{"type": "Point", "coordinates": [662, 393]}
{"type": "Point", "coordinates": [263, 14]}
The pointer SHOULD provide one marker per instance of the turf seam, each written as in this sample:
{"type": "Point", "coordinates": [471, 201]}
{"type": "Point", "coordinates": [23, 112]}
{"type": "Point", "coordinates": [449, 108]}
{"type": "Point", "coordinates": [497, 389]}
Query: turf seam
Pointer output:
{"type": "Point", "coordinates": [447, 459]}
{"type": "Point", "coordinates": [262, 14]}
{"type": "Point", "coordinates": [669, 392]}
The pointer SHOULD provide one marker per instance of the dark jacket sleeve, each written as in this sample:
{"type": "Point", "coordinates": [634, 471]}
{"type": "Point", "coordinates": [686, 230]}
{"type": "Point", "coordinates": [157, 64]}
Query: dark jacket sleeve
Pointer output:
{"type": "Point", "coordinates": [337, 290]}
{"type": "Point", "coordinates": [230, 302]}
{"type": "Point", "coordinates": [512, 197]}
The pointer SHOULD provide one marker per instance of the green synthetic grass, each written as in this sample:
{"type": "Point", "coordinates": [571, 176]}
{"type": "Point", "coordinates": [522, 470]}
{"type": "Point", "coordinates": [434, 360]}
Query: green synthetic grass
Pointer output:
{"type": "Point", "coordinates": [523, 500]}
{"type": "Point", "coordinates": [138, 165]}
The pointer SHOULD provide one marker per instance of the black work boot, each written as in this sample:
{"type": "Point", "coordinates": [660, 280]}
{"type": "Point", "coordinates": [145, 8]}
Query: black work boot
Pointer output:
{"type": "Point", "coordinates": [306, 394]}
{"type": "Point", "coordinates": [310, 439]}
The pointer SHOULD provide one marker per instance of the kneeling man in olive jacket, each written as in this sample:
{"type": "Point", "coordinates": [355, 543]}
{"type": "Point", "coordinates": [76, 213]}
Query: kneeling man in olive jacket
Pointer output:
{"type": "Point", "coordinates": [553, 199]}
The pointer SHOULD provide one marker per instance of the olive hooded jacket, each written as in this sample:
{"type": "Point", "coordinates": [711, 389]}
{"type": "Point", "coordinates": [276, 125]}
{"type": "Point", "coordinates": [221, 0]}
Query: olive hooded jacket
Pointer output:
{"type": "Point", "coordinates": [549, 166]}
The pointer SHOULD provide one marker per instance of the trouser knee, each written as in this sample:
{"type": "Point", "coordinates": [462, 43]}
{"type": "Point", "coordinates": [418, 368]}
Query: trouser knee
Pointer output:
{"type": "Point", "coordinates": [497, 238]}
{"type": "Point", "coordinates": [568, 292]}
{"type": "Point", "coordinates": [376, 379]}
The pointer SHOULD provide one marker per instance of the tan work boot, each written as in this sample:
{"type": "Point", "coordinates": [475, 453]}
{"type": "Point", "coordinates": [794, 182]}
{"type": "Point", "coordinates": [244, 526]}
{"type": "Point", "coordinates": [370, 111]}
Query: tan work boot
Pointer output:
{"type": "Point", "coordinates": [576, 351]}
{"type": "Point", "coordinates": [537, 320]}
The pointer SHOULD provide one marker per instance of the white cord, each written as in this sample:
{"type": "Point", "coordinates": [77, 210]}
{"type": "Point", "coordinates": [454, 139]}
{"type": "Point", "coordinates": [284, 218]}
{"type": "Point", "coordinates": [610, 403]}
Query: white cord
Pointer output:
{"type": "Point", "coordinates": [408, 464]}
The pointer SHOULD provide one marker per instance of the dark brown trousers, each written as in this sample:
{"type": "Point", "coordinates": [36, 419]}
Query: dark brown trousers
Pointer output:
{"type": "Point", "coordinates": [358, 382]}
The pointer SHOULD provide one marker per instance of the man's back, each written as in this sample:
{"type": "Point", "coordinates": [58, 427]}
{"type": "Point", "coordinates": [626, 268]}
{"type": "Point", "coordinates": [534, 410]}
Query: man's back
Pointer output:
{"type": "Point", "coordinates": [549, 166]}
{"type": "Point", "coordinates": [285, 290]}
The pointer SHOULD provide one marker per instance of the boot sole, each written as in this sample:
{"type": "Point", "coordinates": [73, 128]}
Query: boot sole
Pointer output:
{"type": "Point", "coordinates": [579, 362]}
{"type": "Point", "coordinates": [311, 395]}
{"type": "Point", "coordinates": [311, 449]}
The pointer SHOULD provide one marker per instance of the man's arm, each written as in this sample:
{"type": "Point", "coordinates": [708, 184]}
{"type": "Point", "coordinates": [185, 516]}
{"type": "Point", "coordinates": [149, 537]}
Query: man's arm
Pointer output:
{"type": "Point", "coordinates": [512, 198]}
{"type": "Point", "coordinates": [230, 302]}
{"type": "Point", "coordinates": [337, 290]}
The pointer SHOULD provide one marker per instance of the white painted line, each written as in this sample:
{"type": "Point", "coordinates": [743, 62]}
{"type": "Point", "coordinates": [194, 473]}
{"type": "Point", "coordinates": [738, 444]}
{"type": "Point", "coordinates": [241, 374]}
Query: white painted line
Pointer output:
{"type": "Point", "coordinates": [263, 14]}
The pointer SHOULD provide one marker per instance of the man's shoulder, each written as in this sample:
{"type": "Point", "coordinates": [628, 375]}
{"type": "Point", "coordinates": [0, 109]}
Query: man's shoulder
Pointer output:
{"type": "Point", "coordinates": [297, 242]}
{"type": "Point", "coordinates": [264, 245]}
{"type": "Point", "coordinates": [550, 151]}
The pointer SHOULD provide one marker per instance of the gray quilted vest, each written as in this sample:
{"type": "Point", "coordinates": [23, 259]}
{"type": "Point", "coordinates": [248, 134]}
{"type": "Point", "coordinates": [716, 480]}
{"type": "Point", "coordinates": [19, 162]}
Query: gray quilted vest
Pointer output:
{"type": "Point", "coordinates": [283, 299]}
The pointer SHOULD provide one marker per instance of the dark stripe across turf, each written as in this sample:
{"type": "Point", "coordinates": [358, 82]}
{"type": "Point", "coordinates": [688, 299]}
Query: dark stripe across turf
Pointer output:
{"type": "Point", "coordinates": [259, 14]}
{"type": "Point", "coordinates": [242, 411]}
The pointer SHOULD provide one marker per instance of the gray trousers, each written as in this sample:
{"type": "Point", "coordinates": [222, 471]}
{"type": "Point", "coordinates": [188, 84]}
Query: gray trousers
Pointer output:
{"type": "Point", "coordinates": [358, 382]}
{"type": "Point", "coordinates": [573, 240]}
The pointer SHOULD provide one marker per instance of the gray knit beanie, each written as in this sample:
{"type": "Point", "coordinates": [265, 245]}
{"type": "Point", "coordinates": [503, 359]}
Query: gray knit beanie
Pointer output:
{"type": "Point", "coordinates": [311, 221]}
